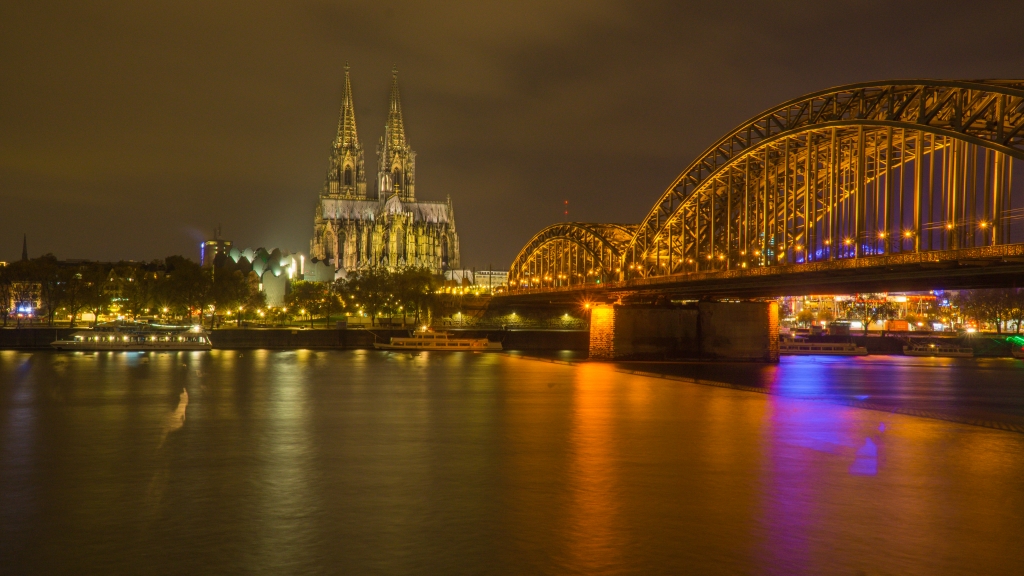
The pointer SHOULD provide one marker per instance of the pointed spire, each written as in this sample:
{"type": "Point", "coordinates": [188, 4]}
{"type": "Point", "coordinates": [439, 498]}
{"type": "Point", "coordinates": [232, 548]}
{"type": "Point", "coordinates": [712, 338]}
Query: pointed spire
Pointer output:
{"type": "Point", "coordinates": [394, 130]}
{"type": "Point", "coordinates": [24, 248]}
{"type": "Point", "coordinates": [347, 135]}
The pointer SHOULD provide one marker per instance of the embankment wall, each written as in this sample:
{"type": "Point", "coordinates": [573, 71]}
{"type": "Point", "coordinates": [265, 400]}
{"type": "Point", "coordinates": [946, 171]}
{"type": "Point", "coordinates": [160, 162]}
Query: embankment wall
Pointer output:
{"type": "Point", "coordinates": [283, 339]}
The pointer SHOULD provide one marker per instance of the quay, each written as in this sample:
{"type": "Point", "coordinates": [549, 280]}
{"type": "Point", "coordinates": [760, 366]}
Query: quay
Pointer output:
{"type": "Point", "coordinates": [321, 339]}
{"type": "Point", "coordinates": [39, 338]}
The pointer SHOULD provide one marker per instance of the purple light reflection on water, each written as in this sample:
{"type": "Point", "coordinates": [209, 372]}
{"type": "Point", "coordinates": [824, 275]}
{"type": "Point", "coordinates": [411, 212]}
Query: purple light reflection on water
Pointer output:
{"type": "Point", "coordinates": [367, 462]}
{"type": "Point", "coordinates": [804, 439]}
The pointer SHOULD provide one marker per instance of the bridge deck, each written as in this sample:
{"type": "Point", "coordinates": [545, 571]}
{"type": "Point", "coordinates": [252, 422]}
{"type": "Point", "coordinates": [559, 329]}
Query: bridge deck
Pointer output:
{"type": "Point", "coordinates": [984, 267]}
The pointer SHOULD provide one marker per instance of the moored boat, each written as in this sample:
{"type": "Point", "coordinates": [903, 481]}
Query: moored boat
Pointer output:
{"type": "Point", "coordinates": [938, 350]}
{"type": "Point", "coordinates": [135, 339]}
{"type": "Point", "coordinates": [1017, 352]}
{"type": "Point", "coordinates": [438, 341]}
{"type": "Point", "coordinates": [803, 348]}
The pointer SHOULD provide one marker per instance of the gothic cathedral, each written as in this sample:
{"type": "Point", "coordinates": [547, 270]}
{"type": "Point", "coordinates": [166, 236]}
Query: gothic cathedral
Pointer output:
{"type": "Point", "coordinates": [354, 230]}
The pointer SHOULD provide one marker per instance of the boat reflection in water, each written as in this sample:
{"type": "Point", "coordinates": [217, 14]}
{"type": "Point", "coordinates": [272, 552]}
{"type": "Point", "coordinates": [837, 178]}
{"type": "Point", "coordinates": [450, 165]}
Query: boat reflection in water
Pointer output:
{"type": "Point", "coordinates": [425, 340]}
{"type": "Point", "coordinates": [132, 338]}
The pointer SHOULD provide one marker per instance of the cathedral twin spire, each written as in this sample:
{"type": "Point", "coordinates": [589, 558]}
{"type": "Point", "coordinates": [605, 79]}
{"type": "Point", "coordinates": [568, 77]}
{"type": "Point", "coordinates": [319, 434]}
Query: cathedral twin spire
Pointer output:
{"type": "Point", "coordinates": [347, 134]}
{"type": "Point", "coordinates": [396, 160]}
{"type": "Point", "coordinates": [345, 172]}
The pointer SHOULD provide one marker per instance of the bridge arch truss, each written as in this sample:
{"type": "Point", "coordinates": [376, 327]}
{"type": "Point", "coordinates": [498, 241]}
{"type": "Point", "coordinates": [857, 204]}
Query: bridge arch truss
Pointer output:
{"type": "Point", "coordinates": [873, 169]}
{"type": "Point", "coordinates": [862, 170]}
{"type": "Point", "coordinates": [570, 254]}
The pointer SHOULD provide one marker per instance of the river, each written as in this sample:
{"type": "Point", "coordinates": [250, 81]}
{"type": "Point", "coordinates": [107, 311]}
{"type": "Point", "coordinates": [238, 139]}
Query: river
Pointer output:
{"type": "Point", "coordinates": [363, 462]}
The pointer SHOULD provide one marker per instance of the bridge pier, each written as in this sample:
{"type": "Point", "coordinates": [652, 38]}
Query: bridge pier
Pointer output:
{"type": "Point", "coordinates": [743, 331]}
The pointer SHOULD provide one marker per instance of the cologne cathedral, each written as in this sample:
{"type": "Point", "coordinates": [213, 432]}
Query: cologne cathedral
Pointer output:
{"type": "Point", "coordinates": [387, 227]}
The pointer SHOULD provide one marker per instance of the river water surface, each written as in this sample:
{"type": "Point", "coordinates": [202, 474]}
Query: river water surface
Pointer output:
{"type": "Point", "coordinates": [359, 462]}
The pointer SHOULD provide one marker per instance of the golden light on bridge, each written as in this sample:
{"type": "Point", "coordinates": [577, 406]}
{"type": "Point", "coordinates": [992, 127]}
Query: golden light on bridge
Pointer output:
{"type": "Point", "coordinates": [894, 161]}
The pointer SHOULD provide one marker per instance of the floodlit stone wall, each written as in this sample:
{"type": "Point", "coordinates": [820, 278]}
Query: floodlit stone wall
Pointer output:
{"type": "Point", "coordinates": [712, 330]}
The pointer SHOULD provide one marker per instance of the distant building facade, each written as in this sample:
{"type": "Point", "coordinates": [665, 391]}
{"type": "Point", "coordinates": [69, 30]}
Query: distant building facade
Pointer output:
{"type": "Point", "coordinates": [212, 248]}
{"type": "Point", "coordinates": [484, 279]}
{"type": "Point", "coordinates": [271, 269]}
{"type": "Point", "coordinates": [387, 226]}
{"type": "Point", "coordinates": [490, 278]}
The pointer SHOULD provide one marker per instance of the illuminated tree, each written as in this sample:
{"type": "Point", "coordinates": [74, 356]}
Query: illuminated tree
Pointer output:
{"type": "Point", "coordinates": [95, 298]}
{"type": "Point", "coordinates": [414, 289]}
{"type": "Point", "coordinates": [805, 317]}
{"type": "Point", "coordinates": [1015, 308]}
{"type": "Point", "coordinates": [46, 274]}
{"type": "Point", "coordinates": [138, 290]}
{"type": "Point", "coordinates": [73, 291]}
{"type": "Point", "coordinates": [6, 294]}
{"type": "Point", "coordinates": [370, 291]}
{"type": "Point", "coordinates": [825, 315]}
{"type": "Point", "coordinates": [229, 290]}
{"type": "Point", "coordinates": [188, 286]}
{"type": "Point", "coordinates": [307, 298]}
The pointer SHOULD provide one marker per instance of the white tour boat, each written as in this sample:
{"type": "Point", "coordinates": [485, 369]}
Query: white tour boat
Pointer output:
{"type": "Point", "coordinates": [1017, 352]}
{"type": "Point", "coordinates": [438, 341]}
{"type": "Point", "coordinates": [798, 348]}
{"type": "Point", "coordinates": [136, 338]}
{"type": "Point", "coordinates": [939, 350]}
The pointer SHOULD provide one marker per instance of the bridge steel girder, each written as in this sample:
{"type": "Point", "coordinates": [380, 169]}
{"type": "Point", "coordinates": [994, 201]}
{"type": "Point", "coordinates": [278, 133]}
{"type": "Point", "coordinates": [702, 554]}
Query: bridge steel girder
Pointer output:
{"type": "Point", "coordinates": [985, 267]}
{"type": "Point", "coordinates": [865, 172]}
{"type": "Point", "coordinates": [550, 250]}
{"type": "Point", "coordinates": [987, 115]}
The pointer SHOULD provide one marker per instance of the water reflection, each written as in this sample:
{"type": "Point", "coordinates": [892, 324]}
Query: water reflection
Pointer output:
{"type": "Point", "coordinates": [367, 462]}
{"type": "Point", "coordinates": [595, 543]}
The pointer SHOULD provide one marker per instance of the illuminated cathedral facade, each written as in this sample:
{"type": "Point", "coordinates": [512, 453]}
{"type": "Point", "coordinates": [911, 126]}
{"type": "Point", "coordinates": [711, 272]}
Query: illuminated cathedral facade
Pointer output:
{"type": "Point", "coordinates": [386, 226]}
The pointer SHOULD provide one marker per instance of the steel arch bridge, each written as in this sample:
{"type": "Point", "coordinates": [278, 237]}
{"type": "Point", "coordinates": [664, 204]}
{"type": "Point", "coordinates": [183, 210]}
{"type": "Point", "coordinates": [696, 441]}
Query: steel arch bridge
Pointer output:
{"type": "Point", "coordinates": [882, 173]}
{"type": "Point", "coordinates": [573, 253]}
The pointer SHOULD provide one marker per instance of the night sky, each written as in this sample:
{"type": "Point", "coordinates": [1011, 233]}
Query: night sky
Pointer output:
{"type": "Point", "coordinates": [131, 129]}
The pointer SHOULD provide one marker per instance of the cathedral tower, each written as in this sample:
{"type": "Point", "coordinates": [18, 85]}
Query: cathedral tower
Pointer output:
{"type": "Point", "coordinates": [396, 162]}
{"type": "Point", "coordinates": [346, 176]}
{"type": "Point", "coordinates": [390, 229]}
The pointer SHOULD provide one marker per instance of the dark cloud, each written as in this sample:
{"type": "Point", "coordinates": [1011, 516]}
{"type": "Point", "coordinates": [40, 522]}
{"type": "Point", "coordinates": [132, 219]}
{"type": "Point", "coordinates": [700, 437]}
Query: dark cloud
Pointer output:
{"type": "Point", "coordinates": [128, 130]}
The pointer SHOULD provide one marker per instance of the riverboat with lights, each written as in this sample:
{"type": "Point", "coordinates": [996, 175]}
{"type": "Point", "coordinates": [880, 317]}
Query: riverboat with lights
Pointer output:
{"type": "Point", "coordinates": [442, 341]}
{"type": "Point", "coordinates": [803, 348]}
{"type": "Point", "coordinates": [1017, 352]}
{"type": "Point", "coordinates": [135, 339]}
{"type": "Point", "coordinates": [939, 350]}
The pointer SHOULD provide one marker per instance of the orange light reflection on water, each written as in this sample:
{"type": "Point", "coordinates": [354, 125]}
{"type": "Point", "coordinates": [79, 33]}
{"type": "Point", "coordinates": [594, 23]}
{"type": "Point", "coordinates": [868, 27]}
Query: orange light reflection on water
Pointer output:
{"type": "Point", "coordinates": [593, 540]}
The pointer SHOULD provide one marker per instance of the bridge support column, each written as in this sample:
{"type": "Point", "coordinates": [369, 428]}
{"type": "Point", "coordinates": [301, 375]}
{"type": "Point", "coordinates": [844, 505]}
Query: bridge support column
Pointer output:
{"type": "Point", "coordinates": [743, 331]}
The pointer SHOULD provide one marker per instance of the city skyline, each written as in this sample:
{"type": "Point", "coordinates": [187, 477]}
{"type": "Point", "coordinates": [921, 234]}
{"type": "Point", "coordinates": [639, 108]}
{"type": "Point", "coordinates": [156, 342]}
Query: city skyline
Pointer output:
{"type": "Point", "coordinates": [514, 111]}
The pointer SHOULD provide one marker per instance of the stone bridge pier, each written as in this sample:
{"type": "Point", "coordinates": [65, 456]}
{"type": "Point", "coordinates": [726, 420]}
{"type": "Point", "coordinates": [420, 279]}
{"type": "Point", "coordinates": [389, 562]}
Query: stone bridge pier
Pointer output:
{"type": "Point", "coordinates": [738, 331]}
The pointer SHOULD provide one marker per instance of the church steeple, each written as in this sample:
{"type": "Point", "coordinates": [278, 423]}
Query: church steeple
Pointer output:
{"type": "Point", "coordinates": [394, 130]}
{"type": "Point", "coordinates": [24, 248]}
{"type": "Point", "coordinates": [396, 168]}
{"type": "Point", "coordinates": [347, 134]}
{"type": "Point", "coordinates": [345, 173]}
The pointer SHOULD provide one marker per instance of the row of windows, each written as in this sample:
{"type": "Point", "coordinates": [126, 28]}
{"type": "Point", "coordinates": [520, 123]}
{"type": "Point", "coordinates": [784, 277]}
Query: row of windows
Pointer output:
{"type": "Point", "coordinates": [822, 348]}
{"type": "Point", "coordinates": [396, 177]}
{"type": "Point", "coordinates": [141, 339]}
{"type": "Point", "coordinates": [400, 243]}
{"type": "Point", "coordinates": [438, 344]}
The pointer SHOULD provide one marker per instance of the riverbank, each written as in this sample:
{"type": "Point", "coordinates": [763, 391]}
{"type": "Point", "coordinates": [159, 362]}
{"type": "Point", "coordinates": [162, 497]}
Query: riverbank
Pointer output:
{"type": "Point", "coordinates": [36, 338]}
{"type": "Point", "coordinates": [344, 339]}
